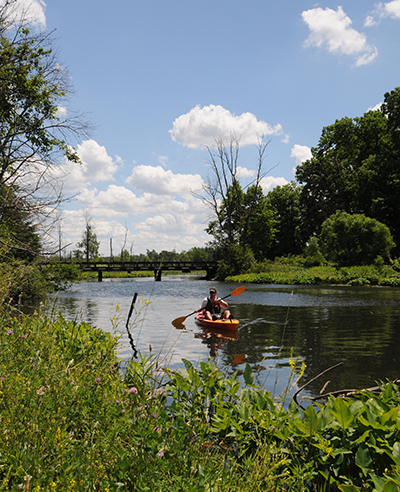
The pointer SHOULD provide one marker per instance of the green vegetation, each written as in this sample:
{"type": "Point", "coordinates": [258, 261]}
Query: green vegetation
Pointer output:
{"type": "Point", "coordinates": [295, 271]}
{"type": "Point", "coordinates": [70, 421]}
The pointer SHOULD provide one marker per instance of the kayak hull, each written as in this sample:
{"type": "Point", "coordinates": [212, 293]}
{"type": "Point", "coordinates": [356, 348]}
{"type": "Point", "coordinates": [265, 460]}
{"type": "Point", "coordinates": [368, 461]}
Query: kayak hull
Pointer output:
{"type": "Point", "coordinates": [227, 324]}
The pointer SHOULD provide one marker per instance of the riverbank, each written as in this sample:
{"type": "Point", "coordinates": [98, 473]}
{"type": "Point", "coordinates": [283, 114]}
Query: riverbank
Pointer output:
{"type": "Point", "coordinates": [295, 275]}
{"type": "Point", "coordinates": [71, 421]}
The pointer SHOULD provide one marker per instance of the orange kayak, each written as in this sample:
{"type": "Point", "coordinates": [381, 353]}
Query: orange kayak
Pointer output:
{"type": "Point", "coordinates": [223, 324]}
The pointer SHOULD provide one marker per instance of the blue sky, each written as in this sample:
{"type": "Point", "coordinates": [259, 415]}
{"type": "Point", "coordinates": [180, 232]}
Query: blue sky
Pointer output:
{"type": "Point", "coordinates": [160, 80]}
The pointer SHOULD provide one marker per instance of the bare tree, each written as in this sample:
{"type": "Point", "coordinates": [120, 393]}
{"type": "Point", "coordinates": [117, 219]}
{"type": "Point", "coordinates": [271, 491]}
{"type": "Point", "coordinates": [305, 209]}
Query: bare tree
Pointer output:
{"type": "Point", "coordinates": [224, 193]}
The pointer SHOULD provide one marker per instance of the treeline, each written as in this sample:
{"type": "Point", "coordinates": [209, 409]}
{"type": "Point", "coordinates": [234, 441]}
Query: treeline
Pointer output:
{"type": "Point", "coordinates": [342, 208]}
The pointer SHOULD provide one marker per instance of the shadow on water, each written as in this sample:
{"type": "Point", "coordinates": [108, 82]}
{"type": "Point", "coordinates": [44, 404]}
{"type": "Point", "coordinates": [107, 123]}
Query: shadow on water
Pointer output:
{"type": "Point", "coordinates": [320, 325]}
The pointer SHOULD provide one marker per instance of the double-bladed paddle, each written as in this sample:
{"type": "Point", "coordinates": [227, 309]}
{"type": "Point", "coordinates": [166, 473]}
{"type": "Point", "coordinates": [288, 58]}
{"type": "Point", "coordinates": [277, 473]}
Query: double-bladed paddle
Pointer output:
{"type": "Point", "coordinates": [236, 292]}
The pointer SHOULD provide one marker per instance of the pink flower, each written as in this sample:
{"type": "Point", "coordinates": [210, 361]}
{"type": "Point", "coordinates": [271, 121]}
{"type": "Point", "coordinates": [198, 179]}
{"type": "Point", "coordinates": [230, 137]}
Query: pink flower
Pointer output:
{"type": "Point", "coordinates": [133, 390]}
{"type": "Point", "coordinates": [160, 454]}
{"type": "Point", "coordinates": [98, 380]}
{"type": "Point", "coordinates": [10, 332]}
{"type": "Point", "coordinates": [123, 410]}
{"type": "Point", "coordinates": [154, 415]}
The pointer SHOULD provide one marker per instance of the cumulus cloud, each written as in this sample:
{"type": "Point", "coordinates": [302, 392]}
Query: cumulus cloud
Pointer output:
{"type": "Point", "coordinates": [96, 166]}
{"type": "Point", "coordinates": [243, 172]}
{"type": "Point", "coordinates": [153, 221]}
{"type": "Point", "coordinates": [202, 126]}
{"type": "Point", "coordinates": [388, 9]}
{"type": "Point", "coordinates": [32, 11]}
{"type": "Point", "coordinates": [300, 153]}
{"type": "Point", "coordinates": [270, 182]}
{"type": "Point", "coordinates": [332, 29]}
{"type": "Point", "coordinates": [160, 181]}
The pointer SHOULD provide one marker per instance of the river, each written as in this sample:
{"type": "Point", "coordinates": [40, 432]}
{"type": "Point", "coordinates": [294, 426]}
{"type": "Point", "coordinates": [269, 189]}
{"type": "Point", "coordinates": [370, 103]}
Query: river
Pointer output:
{"type": "Point", "coordinates": [320, 325]}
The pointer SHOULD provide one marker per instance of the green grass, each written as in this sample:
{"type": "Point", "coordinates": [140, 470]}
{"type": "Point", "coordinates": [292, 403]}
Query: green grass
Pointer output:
{"type": "Point", "coordinates": [293, 275]}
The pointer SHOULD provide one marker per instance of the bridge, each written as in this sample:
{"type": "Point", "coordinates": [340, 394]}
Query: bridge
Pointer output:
{"type": "Point", "coordinates": [147, 266]}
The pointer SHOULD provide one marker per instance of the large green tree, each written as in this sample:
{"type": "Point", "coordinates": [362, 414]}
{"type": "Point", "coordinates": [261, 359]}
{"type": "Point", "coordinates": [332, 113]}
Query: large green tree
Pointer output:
{"type": "Point", "coordinates": [289, 216]}
{"type": "Point", "coordinates": [356, 168]}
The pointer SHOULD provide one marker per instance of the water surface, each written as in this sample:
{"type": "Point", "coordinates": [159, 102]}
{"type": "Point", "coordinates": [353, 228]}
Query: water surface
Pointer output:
{"type": "Point", "coordinates": [321, 326]}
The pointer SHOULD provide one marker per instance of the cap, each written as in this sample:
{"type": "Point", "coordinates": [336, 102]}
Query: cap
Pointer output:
{"type": "Point", "coordinates": [213, 290]}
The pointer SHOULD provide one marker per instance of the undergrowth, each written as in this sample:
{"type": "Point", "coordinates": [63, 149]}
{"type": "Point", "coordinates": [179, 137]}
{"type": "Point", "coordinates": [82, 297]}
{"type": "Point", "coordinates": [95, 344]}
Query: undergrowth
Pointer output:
{"type": "Point", "coordinates": [70, 420]}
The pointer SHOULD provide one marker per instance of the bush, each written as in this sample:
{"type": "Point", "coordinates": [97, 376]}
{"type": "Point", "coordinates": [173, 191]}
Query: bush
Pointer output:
{"type": "Point", "coordinates": [354, 239]}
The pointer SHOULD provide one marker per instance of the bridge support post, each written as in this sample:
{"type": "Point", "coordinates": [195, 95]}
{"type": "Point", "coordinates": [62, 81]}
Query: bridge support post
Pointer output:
{"type": "Point", "coordinates": [100, 276]}
{"type": "Point", "coordinates": [157, 274]}
{"type": "Point", "coordinates": [211, 271]}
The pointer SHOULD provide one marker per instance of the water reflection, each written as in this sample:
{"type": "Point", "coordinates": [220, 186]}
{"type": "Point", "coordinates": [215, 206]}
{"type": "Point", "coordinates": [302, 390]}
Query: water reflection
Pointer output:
{"type": "Point", "coordinates": [320, 325]}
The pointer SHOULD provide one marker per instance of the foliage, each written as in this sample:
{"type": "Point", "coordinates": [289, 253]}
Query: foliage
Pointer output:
{"type": "Point", "coordinates": [69, 421]}
{"type": "Point", "coordinates": [355, 168]}
{"type": "Point", "coordinates": [354, 239]}
{"type": "Point", "coordinates": [283, 273]}
{"type": "Point", "coordinates": [244, 219]}
{"type": "Point", "coordinates": [237, 259]}
{"type": "Point", "coordinates": [88, 247]}
{"type": "Point", "coordinates": [289, 214]}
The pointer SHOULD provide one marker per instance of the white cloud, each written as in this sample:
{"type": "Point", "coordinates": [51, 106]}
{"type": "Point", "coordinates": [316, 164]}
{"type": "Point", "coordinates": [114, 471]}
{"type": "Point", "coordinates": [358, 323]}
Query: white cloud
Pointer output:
{"type": "Point", "coordinates": [388, 9]}
{"type": "Point", "coordinates": [376, 107]}
{"type": "Point", "coordinates": [202, 126]}
{"type": "Point", "coordinates": [32, 11]}
{"type": "Point", "coordinates": [300, 153]}
{"type": "Point", "coordinates": [270, 182]}
{"type": "Point", "coordinates": [332, 29]}
{"type": "Point", "coordinates": [243, 172]}
{"type": "Point", "coordinates": [392, 8]}
{"type": "Point", "coordinates": [96, 166]}
{"type": "Point", "coordinates": [153, 221]}
{"type": "Point", "coordinates": [159, 181]}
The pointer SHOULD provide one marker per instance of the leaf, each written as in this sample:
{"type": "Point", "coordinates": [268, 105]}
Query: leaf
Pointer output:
{"type": "Point", "coordinates": [311, 420]}
{"type": "Point", "coordinates": [363, 458]}
{"type": "Point", "coordinates": [348, 488]}
{"type": "Point", "coordinates": [342, 413]}
{"type": "Point", "coordinates": [248, 375]}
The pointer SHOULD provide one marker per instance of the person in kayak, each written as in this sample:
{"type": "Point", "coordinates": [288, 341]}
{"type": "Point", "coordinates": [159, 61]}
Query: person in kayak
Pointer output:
{"type": "Point", "coordinates": [212, 307]}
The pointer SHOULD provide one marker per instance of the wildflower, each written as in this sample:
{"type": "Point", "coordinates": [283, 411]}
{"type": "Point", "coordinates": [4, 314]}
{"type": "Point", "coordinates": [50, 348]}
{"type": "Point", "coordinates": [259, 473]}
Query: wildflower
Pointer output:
{"type": "Point", "coordinates": [123, 410]}
{"type": "Point", "coordinates": [133, 390]}
{"type": "Point", "coordinates": [154, 415]}
{"type": "Point", "coordinates": [98, 380]}
{"type": "Point", "coordinates": [24, 336]}
{"type": "Point", "coordinates": [10, 332]}
{"type": "Point", "coordinates": [160, 454]}
{"type": "Point", "coordinates": [118, 401]}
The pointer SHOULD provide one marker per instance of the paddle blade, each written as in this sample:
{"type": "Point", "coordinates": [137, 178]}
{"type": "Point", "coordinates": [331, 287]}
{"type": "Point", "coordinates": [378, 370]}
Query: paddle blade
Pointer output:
{"type": "Point", "coordinates": [179, 321]}
{"type": "Point", "coordinates": [238, 291]}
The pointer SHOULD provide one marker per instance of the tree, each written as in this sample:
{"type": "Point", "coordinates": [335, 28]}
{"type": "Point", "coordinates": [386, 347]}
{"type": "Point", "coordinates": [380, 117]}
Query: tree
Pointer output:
{"type": "Point", "coordinates": [356, 168]}
{"type": "Point", "coordinates": [289, 215]}
{"type": "Point", "coordinates": [354, 239]}
{"type": "Point", "coordinates": [89, 245]}
{"type": "Point", "coordinates": [242, 223]}
{"type": "Point", "coordinates": [34, 134]}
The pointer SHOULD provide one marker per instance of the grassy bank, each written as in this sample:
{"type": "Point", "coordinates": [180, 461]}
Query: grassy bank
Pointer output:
{"type": "Point", "coordinates": [276, 273]}
{"type": "Point", "coordinates": [69, 420]}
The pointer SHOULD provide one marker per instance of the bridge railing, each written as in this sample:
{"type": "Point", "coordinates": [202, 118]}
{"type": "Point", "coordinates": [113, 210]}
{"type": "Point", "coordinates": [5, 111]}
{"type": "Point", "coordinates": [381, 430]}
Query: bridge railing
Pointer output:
{"type": "Point", "coordinates": [136, 266]}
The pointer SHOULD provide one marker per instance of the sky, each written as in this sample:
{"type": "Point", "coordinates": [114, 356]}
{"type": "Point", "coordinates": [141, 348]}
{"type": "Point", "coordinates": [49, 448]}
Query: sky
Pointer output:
{"type": "Point", "coordinates": [161, 81]}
